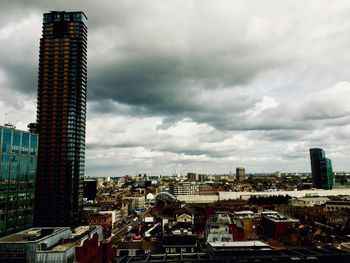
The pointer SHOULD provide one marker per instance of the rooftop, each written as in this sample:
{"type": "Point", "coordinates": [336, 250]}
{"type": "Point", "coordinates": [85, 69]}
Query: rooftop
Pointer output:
{"type": "Point", "coordinates": [239, 244]}
{"type": "Point", "coordinates": [286, 255]}
{"type": "Point", "coordinates": [280, 218]}
{"type": "Point", "coordinates": [313, 199]}
{"type": "Point", "coordinates": [33, 234]}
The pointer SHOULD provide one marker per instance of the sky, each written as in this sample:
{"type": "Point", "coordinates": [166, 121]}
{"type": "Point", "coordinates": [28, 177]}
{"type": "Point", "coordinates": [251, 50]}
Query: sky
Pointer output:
{"type": "Point", "coordinates": [196, 86]}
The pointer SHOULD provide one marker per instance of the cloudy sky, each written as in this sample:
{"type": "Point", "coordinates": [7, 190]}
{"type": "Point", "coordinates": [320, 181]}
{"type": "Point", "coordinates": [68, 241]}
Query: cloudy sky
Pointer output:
{"type": "Point", "coordinates": [196, 86]}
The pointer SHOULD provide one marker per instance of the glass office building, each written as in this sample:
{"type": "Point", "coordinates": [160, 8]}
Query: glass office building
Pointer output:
{"type": "Point", "coordinates": [321, 168]}
{"type": "Point", "coordinates": [18, 159]}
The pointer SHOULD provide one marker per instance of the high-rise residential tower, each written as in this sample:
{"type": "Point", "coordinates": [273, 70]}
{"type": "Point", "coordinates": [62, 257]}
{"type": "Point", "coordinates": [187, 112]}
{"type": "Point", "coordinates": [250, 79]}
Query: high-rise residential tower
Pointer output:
{"type": "Point", "coordinates": [61, 115]}
{"type": "Point", "coordinates": [321, 168]}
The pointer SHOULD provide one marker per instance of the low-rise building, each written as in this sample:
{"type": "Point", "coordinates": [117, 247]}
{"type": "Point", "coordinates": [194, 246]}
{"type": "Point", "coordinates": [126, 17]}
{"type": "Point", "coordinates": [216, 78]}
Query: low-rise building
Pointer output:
{"type": "Point", "coordinates": [90, 189]}
{"type": "Point", "coordinates": [207, 189]}
{"type": "Point", "coordinates": [185, 188]}
{"type": "Point", "coordinates": [338, 218]}
{"type": "Point", "coordinates": [134, 248]}
{"type": "Point", "coordinates": [237, 246]}
{"type": "Point", "coordinates": [184, 214]}
{"type": "Point", "coordinates": [103, 220]}
{"type": "Point", "coordinates": [275, 225]}
{"type": "Point", "coordinates": [118, 217]}
{"type": "Point", "coordinates": [106, 200]}
{"type": "Point", "coordinates": [112, 213]}
{"type": "Point", "coordinates": [60, 244]}
{"type": "Point", "coordinates": [308, 201]}
{"type": "Point", "coordinates": [192, 199]}
{"type": "Point", "coordinates": [124, 209]}
{"type": "Point", "coordinates": [135, 202]}
{"type": "Point", "coordinates": [218, 228]}
{"type": "Point", "coordinates": [345, 246]}
{"type": "Point", "coordinates": [179, 243]}
{"type": "Point", "coordinates": [182, 228]}
{"type": "Point", "coordinates": [245, 225]}
{"type": "Point", "coordinates": [337, 204]}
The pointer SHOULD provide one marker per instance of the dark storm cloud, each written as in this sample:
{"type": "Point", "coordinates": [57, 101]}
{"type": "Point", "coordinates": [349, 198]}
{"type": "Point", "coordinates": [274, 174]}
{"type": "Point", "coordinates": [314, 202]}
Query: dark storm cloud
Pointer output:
{"type": "Point", "coordinates": [169, 84]}
{"type": "Point", "coordinates": [90, 146]}
{"type": "Point", "coordinates": [153, 72]}
{"type": "Point", "coordinates": [23, 79]}
{"type": "Point", "coordinates": [280, 135]}
{"type": "Point", "coordinates": [196, 82]}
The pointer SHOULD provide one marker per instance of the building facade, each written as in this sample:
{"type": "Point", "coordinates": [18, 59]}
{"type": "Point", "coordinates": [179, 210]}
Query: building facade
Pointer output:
{"type": "Point", "coordinates": [321, 168]}
{"type": "Point", "coordinates": [335, 205]}
{"type": "Point", "coordinates": [240, 174]}
{"type": "Point", "coordinates": [59, 244]}
{"type": "Point", "coordinates": [90, 189]}
{"type": "Point", "coordinates": [194, 177]}
{"type": "Point", "coordinates": [61, 117]}
{"type": "Point", "coordinates": [185, 188]}
{"type": "Point", "coordinates": [18, 159]}
{"type": "Point", "coordinates": [103, 220]}
{"type": "Point", "coordinates": [275, 225]}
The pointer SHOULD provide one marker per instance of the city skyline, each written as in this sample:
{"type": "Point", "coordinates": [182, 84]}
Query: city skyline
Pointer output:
{"type": "Point", "coordinates": [196, 86]}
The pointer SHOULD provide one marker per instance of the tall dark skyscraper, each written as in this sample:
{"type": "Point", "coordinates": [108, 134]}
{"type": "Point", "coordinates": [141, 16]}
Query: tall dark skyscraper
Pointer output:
{"type": "Point", "coordinates": [321, 168]}
{"type": "Point", "coordinates": [61, 115]}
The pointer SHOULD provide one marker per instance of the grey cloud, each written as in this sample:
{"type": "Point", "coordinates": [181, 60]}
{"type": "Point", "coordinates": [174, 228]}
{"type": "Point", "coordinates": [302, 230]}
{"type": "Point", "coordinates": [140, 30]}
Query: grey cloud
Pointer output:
{"type": "Point", "coordinates": [202, 62]}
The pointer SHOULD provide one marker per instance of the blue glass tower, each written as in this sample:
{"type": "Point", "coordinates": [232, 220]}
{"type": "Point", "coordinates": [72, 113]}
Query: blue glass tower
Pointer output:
{"type": "Point", "coordinates": [321, 168]}
{"type": "Point", "coordinates": [18, 159]}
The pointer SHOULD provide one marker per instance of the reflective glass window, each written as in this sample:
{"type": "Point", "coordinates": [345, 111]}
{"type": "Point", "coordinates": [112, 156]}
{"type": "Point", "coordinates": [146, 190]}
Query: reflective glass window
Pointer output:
{"type": "Point", "coordinates": [6, 143]}
{"type": "Point", "coordinates": [33, 143]}
{"type": "Point", "coordinates": [25, 143]}
{"type": "Point", "coordinates": [5, 166]}
{"type": "Point", "coordinates": [0, 136]}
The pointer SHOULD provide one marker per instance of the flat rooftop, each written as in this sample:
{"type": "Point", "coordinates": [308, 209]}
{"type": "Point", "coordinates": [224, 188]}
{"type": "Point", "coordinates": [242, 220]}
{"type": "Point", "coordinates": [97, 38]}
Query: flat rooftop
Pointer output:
{"type": "Point", "coordinates": [313, 199]}
{"type": "Point", "coordinates": [280, 218]}
{"type": "Point", "coordinates": [239, 244]}
{"type": "Point", "coordinates": [244, 212]}
{"type": "Point", "coordinates": [75, 237]}
{"type": "Point", "coordinates": [33, 234]}
{"type": "Point", "coordinates": [63, 247]}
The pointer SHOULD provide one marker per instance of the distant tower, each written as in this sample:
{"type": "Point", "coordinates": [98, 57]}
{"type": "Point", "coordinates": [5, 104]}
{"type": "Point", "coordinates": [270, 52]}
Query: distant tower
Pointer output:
{"type": "Point", "coordinates": [61, 117]}
{"type": "Point", "coordinates": [240, 174]}
{"type": "Point", "coordinates": [194, 177]}
{"type": "Point", "coordinates": [278, 174]}
{"type": "Point", "coordinates": [321, 168]}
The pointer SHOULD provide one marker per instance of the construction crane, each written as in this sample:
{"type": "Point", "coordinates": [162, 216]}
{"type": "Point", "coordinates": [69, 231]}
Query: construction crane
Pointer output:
{"type": "Point", "coordinates": [148, 232]}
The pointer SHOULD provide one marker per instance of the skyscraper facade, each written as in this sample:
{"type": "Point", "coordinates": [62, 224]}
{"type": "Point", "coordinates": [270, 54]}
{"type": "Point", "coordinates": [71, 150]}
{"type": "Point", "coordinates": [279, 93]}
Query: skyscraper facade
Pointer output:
{"type": "Point", "coordinates": [321, 168]}
{"type": "Point", "coordinates": [61, 117]}
{"type": "Point", "coordinates": [240, 174]}
{"type": "Point", "coordinates": [18, 159]}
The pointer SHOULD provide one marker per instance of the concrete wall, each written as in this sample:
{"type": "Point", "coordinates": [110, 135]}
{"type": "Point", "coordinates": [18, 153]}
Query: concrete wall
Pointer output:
{"type": "Point", "coordinates": [247, 195]}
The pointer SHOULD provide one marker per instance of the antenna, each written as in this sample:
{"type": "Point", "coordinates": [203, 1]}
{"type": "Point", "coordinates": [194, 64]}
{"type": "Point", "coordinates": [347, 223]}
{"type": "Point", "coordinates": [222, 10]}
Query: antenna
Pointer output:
{"type": "Point", "coordinates": [6, 118]}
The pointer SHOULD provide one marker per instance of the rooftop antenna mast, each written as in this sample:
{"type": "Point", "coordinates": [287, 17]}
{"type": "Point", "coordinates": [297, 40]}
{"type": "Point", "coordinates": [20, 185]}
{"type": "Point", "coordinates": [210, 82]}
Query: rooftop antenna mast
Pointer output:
{"type": "Point", "coordinates": [9, 124]}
